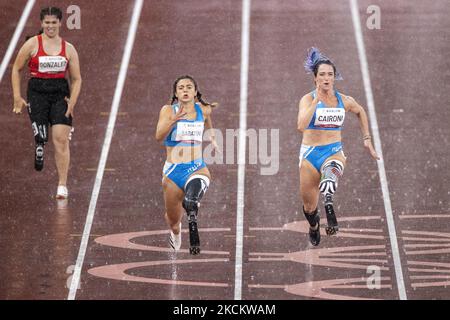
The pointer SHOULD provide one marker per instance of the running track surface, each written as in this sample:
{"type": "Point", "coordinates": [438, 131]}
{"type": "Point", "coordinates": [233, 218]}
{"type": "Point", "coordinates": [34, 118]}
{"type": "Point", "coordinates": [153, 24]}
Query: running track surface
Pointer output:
{"type": "Point", "coordinates": [127, 255]}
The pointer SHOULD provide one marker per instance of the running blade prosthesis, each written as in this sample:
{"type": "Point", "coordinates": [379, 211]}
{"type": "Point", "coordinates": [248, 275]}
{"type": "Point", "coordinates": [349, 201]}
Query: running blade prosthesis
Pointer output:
{"type": "Point", "coordinates": [39, 157]}
{"type": "Point", "coordinates": [332, 224]}
{"type": "Point", "coordinates": [194, 238]}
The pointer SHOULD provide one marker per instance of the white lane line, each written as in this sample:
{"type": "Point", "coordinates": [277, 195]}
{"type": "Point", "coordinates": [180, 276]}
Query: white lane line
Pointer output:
{"type": "Point", "coordinates": [377, 141]}
{"type": "Point", "coordinates": [245, 44]}
{"type": "Point", "coordinates": [106, 145]}
{"type": "Point", "coordinates": [15, 38]}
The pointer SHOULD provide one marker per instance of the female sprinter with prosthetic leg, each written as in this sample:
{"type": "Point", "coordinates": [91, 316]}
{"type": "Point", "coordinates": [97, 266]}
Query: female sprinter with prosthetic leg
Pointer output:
{"type": "Point", "coordinates": [322, 160]}
{"type": "Point", "coordinates": [51, 98]}
{"type": "Point", "coordinates": [185, 176]}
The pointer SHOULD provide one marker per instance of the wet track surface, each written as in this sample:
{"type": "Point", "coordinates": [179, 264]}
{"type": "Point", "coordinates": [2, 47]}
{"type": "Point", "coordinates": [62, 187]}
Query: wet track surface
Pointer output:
{"type": "Point", "coordinates": [128, 256]}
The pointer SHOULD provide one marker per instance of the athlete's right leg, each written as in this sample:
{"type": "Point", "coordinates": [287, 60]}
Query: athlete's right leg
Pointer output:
{"type": "Point", "coordinates": [173, 198]}
{"type": "Point", "coordinates": [38, 110]}
{"type": "Point", "coordinates": [309, 193]}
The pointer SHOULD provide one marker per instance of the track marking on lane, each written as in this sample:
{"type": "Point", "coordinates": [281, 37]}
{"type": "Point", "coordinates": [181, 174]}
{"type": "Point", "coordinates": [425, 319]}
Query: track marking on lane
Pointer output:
{"type": "Point", "coordinates": [245, 48]}
{"type": "Point", "coordinates": [15, 38]}
{"type": "Point", "coordinates": [377, 142]}
{"type": "Point", "coordinates": [106, 145]}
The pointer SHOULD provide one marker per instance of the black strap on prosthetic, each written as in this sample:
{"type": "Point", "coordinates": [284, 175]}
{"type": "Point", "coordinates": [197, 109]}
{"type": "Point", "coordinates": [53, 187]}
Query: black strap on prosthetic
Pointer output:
{"type": "Point", "coordinates": [313, 217]}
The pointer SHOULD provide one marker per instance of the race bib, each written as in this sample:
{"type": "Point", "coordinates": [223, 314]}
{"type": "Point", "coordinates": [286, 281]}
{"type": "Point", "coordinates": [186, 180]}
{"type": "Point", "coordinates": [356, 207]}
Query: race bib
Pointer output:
{"type": "Point", "coordinates": [329, 117]}
{"type": "Point", "coordinates": [52, 64]}
{"type": "Point", "coordinates": [189, 131]}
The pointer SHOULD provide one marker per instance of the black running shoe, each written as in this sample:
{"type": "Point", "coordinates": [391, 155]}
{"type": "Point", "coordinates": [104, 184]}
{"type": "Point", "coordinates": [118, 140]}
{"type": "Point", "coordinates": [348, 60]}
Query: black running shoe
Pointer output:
{"type": "Point", "coordinates": [332, 224]}
{"type": "Point", "coordinates": [39, 157]}
{"type": "Point", "coordinates": [194, 238]}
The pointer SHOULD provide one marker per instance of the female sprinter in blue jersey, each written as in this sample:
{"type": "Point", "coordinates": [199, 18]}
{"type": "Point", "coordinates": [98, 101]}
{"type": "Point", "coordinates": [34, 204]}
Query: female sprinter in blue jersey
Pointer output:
{"type": "Point", "coordinates": [185, 175]}
{"type": "Point", "coordinates": [322, 160]}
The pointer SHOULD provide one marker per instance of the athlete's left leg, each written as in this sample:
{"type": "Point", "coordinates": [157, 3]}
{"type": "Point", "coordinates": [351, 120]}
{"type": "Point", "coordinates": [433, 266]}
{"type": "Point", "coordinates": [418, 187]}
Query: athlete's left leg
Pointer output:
{"type": "Point", "coordinates": [331, 170]}
{"type": "Point", "coordinates": [60, 138]}
{"type": "Point", "coordinates": [194, 189]}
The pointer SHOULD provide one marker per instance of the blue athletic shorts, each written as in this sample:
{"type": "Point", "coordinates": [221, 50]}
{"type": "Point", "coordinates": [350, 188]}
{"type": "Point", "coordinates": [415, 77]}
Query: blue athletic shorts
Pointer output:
{"type": "Point", "coordinates": [180, 172]}
{"type": "Point", "coordinates": [317, 155]}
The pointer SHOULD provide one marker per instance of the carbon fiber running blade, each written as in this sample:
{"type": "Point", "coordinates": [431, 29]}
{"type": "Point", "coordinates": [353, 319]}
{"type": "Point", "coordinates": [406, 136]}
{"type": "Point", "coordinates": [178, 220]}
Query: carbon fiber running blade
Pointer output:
{"type": "Point", "coordinates": [194, 238]}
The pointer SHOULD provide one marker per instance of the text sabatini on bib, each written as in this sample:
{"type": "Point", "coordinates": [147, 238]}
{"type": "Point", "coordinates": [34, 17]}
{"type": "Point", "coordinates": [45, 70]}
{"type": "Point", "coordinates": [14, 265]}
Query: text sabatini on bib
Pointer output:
{"type": "Point", "coordinates": [189, 131]}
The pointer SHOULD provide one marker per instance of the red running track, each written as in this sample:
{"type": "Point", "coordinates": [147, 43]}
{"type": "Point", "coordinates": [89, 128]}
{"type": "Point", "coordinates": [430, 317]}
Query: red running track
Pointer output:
{"type": "Point", "coordinates": [127, 255]}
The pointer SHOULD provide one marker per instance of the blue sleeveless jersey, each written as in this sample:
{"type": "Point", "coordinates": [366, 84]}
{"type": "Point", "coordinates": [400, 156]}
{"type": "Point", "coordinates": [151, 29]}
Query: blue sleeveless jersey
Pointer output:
{"type": "Point", "coordinates": [326, 118]}
{"type": "Point", "coordinates": [186, 132]}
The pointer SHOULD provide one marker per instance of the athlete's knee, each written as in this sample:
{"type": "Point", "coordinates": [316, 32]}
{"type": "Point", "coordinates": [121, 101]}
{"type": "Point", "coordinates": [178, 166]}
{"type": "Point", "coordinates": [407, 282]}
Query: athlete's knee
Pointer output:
{"type": "Point", "coordinates": [309, 207]}
{"type": "Point", "coordinates": [61, 141]}
{"type": "Point", "coordinates": [309, 196]}
{"type": "Point", "coordinates": [190, 204]}
{"type": "Point", "coordinates": [194, 190]}
{"type": "Point", "coordinates": [331, 171]}
{"type": "Point", "coordinates": [40, 131]}
{"type": "Point", "coordinates": [312, 216]}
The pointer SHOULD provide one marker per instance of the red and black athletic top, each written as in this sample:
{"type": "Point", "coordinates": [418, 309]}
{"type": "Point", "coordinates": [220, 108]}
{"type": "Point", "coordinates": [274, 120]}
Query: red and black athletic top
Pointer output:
{"type": "Point", "coordinates": [45, 66]}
